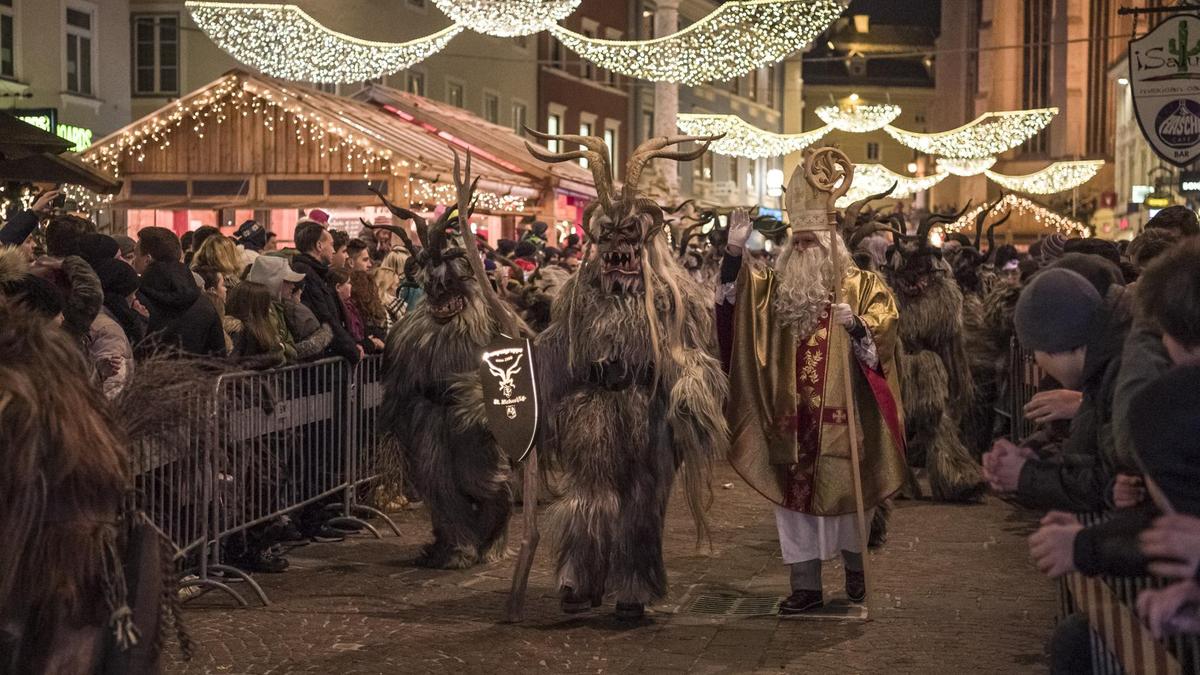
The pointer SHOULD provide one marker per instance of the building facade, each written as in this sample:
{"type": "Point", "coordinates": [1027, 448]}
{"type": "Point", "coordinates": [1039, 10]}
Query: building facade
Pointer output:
{"type": "Point", "coordinates": [64, 65]}
{"type": "Point", "coordinates": [1023, 54]}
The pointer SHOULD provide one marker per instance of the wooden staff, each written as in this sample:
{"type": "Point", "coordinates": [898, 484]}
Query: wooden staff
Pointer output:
{"type": "Point", "coordinates": [508, 323]}
{"type": "Point", "coordinates": [823, 171]}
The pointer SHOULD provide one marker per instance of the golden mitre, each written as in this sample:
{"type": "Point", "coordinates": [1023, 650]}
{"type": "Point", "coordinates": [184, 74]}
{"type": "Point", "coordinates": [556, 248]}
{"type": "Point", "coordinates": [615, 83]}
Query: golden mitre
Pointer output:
{"type": "Point", "coordinates": [805, 206]}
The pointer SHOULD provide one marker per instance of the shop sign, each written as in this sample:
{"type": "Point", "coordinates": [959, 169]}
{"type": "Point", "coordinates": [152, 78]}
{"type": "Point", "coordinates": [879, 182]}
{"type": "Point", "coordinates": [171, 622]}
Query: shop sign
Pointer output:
{"type": "Point", "coordinates": [46, 119]}
{"type": "Point", "coordinates": [1164, 78]}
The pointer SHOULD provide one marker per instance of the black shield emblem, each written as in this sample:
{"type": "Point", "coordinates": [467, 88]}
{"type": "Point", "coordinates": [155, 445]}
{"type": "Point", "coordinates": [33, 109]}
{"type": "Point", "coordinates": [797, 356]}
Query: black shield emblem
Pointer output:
{"type": "Point", "coordinates": [510, 395]}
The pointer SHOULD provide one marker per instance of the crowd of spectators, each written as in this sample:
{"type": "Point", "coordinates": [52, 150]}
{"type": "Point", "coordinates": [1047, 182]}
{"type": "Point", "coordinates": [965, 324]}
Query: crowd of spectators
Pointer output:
{"type": "Point", "coordinates": [1116, 330]}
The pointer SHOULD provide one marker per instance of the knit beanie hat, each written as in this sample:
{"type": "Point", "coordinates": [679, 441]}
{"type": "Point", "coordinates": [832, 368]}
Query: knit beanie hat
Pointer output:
{"type": "Point", "coordinates": [1102, 273]}
{"type": "Point", "coordinates": [1052, 246]}
{"type": "Point", "coordinates": [1164, 421]}
{"type": "Point", "coordinates": [1055, 311]}
{"type": "Point", "coordinates": [116, 277]}
{"type": "Point", "coordinates": [94, 248]}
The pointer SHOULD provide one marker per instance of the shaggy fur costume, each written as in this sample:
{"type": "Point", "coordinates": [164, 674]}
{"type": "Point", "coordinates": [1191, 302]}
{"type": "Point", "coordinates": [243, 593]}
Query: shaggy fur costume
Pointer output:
{"type": "Point", "coordinates": [623, 427]}
{"type": "Point", "coordinates": [936, 379]}
{"type": "Point", "coordinates": [631, 390]}
{"type": "Point", "coordinates": [457, 469]}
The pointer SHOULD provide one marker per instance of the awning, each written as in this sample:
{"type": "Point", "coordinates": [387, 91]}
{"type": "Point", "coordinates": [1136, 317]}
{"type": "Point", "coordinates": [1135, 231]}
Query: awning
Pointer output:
{"type": "Point", "coordinates": [47, 168]}
{"type": "Point", "coordinates": [19, 139]}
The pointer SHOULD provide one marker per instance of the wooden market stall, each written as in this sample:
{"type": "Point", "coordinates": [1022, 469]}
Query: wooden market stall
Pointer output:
{"type": "Point", "coordinates": [248, 146]}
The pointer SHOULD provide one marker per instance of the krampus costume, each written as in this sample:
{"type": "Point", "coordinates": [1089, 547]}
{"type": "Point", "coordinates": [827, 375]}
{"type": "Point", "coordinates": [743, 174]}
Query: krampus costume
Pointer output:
{"type": "Point", "coordinates": [455, 467]}
{"type": "Point", "coordinates": [937, 379]}
{"type": "Point", "coordinates": [85, 585]}
{"type": "Point", "coordinates": [630, 388]}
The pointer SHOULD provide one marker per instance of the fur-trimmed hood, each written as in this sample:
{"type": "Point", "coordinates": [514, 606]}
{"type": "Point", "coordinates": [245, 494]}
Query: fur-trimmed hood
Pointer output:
{"type": "Point", "coordinates": [13, 264]}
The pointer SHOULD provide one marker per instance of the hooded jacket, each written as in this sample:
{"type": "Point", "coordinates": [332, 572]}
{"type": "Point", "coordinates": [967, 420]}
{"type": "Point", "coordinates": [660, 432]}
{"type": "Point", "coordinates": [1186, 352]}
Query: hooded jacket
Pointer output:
{"type": "Point", "coordinates": [181, 316]}
{"type": "Point", "coordinates": [321, 298]}
{"type": "Point", "coordinates": [1078, 478]}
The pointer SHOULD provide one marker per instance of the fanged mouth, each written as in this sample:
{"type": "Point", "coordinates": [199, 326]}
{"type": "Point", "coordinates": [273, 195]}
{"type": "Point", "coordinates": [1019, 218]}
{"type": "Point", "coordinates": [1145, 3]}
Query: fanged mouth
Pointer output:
{"type": "Point", "coordinates": [448, 308]}
{"type": "Point", "coordinates": [623, 270]}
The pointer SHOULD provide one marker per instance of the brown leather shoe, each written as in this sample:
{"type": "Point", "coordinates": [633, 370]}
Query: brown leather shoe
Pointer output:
{"type": "Point", "coordinates": [856, 586]}
{"type": "Point", "coordinates": [801, 601]}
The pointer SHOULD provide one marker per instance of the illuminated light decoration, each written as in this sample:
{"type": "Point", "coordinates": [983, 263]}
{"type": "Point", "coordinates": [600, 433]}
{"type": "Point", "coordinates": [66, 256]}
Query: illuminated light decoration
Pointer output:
{"type": "Point", "coordinates": [731, 41]}
{"type": "Point", "coordinates": [507, 18]}
{"type": "Point", "coordinates": [430, 193]}
{"type": "Point", "coordinates": [858, 119]}
{"type": "Point", "coordinates": [284, 41]}
{"type": "Point", "coordinates": [1058, 177]}
{"type": "Point", "coordinates": [989, 134]}
{"type": "Point", "coordinates": [1023, 206]}
{"type": "Point", "coordinates": [965, 167]}
{"type": "Point", "coordinates": [871, 179]}
{"type": "Point", "coordinates": [87, 200]}
{"type": "Point", "coordinates": [743, 139]}
{"type": "Point", "coordinates": [232, 96]}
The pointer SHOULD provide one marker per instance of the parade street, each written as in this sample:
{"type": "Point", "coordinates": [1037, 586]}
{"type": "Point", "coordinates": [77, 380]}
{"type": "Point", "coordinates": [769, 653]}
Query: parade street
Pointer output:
{"type": "Point", "coordinates": [954, 591]}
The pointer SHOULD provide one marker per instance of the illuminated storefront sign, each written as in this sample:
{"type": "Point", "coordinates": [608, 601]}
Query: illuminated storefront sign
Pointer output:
{"type": "Point", "coordinates": [46, 119]}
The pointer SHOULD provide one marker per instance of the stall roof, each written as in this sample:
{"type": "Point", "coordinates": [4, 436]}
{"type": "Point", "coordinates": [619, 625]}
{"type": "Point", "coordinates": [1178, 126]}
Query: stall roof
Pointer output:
{"type": "Point", "coordinates": [365, 127]}
{"type": "Point", "coordinates": [464, 128]}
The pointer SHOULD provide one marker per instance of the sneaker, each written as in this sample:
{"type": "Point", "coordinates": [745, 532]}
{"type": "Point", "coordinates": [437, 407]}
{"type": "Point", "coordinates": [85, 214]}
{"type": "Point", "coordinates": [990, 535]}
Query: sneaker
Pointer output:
{"type": "Point", "coordinates": [265, 561]}
{"type": "Point", "coordinates": [856, 586]}
{"type": "Point", "coordinates": [348, 526]}
{"type": "Point", "coordinates": [288, 534]}
{"type": "Point", "coordinates": [801, 601]}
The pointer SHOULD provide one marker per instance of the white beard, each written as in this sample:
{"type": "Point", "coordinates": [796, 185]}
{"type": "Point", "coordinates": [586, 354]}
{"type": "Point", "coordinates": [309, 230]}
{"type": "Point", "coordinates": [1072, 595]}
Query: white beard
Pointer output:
{"type": "Point", "coordinates": [802, 292]}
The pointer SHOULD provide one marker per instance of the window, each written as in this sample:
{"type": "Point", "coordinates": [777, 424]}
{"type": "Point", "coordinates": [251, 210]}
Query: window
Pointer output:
{"type": "Point", "coordinates": [155, 54]}
{"type": "Point", "coordinates": [521, 41]}
{"type": "Point", "coordinates": [585, 129]}
{"type": "Point", "coordinates": [647, 125]}
{"type": "Point", "coordinates": [553, 127]}
{"type": "Point", "coordinates": [611, 138]}
{"type": "Point", "coordinates": [327, 87]}
{"type": "Point", "coordinates": [8, 67]}
{"type": "Point", "coordinates": [702, 169]}
{"type": "Point", "coordinates": [79, 51]}
{"type": "Point", "coordinates": [647, 26]}
{"type": "Point", "coordinates": [519, 113]}
{"type": "Point", "coordinates": [491, 107]}
{"type": "Point", "coordinates": [454, 94]}
{"type": "Point", "coordinates": [586, 70]}
{"type": "Point", "coordinates": [556, 54]}
{"type": "Point", "coordinates": [873, 151]}
{"type": "Point", "coordinates": [414, 83]}
{"type": "Point", "coordinates": [771, 83]}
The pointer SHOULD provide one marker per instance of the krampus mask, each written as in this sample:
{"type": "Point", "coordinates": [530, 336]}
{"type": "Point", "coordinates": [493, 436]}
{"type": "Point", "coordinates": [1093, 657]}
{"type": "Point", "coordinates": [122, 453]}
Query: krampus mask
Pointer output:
{"type": "Point", "coordinates": [625, 226]}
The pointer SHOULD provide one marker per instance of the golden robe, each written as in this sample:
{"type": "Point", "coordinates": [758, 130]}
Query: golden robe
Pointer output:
{"type": "Point", "coordinates": [765, 393]}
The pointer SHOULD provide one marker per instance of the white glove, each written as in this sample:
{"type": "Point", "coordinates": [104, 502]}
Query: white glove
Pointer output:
{"type": "Point", "coordinates": [842, 315]}
{"type": "Point", "coordinates": [740, 228]}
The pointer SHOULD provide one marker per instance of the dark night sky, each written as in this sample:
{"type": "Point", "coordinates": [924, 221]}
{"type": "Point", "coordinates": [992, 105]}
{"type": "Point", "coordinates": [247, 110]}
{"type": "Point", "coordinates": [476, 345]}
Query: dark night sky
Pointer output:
{"type": "Point", "coordinates": [913, 12]}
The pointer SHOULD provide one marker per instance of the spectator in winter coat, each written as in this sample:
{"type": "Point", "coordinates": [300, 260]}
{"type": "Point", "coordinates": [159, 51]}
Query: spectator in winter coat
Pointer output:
{"type": "Point", "coordinates": [357, 257]}
{"type": "Point", "coordinates": [364, 296]}
{"type": "Point", "coordinates": [259, 344]}
{"type": "Point", "coordinates": [75, 279]}
{"type": "Point", "coordinates": [1076, 336]}
{"type": "Point", "coordinates": [315, 246]}
{"type": "Point", "coordinates": [181, 316]}
{"type": "Point", "coordinates": [219, 252]}
{"type": "Point", "coordinates": [110, 346]}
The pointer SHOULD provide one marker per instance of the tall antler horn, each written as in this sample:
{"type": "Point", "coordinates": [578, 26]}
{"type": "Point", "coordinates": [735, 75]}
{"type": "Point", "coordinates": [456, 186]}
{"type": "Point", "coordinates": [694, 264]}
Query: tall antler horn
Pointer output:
{"type": "Point", "coordinates": [655, 148]}
{"type": "Point", "coordinates": [934, 219]}
{"type": "Point", "coordinates": [405, 214]}
{"type": "Point", "coordinates": [991, 234]}
{"type": "Point", "coordinates": [398, 231]}
{"type": "Point", "coordinates": [595, 152]}
{"type": "Point", "coordinates": [981, 217]}
{"type": "Point", "coordinates": [850, 215]}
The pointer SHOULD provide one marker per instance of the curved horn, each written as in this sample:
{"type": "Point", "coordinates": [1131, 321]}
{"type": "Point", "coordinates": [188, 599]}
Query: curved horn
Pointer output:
{"type": "Point", "coordinates": [398, 231]}
{"type": "Point", "coordinates": [991, 234]}
{"type": "Point", "coordinates": [405, 214]}
{"type": "Point", "coordinates": [934, 219]}
{"type": "Point", "coordinates": [850, 215]}
{"type": "Point", "coordinates": [595, 151]}
{"type": "Point", "coordinates": [981, 217]}
{"type": "Point", "coordinates": [686, 237]}
{"type": "Point", "coordinates": [656, 148]}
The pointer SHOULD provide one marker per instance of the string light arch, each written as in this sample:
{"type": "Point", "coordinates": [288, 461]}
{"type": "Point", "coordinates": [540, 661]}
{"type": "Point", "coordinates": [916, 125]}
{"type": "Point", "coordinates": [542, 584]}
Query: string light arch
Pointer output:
{"type": "Point", "coordinates": [858, 119]}
{"type": "Point", "coordinates": [989, 134]}
{"type": "Point", "coordinates": [1058, 177]}
{"type": "Point", "coordinates": [1023, 206]}
{"type": "Point", "coordinates": [743, 139]}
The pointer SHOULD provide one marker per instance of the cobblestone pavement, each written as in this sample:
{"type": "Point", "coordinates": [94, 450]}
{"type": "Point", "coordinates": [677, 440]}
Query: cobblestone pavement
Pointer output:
{"type": "Point", "coordinates": [953, 592]}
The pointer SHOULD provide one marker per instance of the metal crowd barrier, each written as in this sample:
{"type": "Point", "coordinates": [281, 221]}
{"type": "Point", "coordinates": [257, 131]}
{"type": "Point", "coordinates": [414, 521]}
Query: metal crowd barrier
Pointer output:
{"type": "Point", "coordinates": [261, 445]}
{"type": "Point", "coordinates": [1024, 377]}
{"type": "Point", "coordinates": [1120, 643]}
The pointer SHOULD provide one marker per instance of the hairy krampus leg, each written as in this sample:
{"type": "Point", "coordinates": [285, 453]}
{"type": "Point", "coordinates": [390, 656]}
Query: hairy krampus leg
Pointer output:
{"type": "Point", "coordinates": [954, 476]}
{"type": "Point", "coordinates": [455, 543]}
{"type": "Point", "coordinates": [585, 516]}
{"type": "Point", "coordinates": [638, 573]}
{"type": "Point", "coordinates": [492, 524]}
